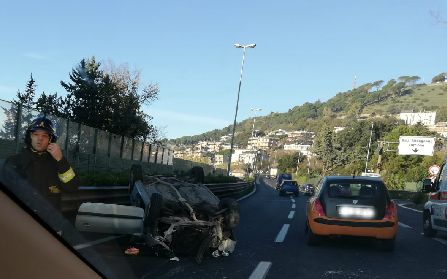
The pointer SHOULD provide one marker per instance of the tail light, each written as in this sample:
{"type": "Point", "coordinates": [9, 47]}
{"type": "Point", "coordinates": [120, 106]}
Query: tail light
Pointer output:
{"type": "Point", "coordinates": [389, 210]}
{"type": "Point", "coordinates": [319, 208]}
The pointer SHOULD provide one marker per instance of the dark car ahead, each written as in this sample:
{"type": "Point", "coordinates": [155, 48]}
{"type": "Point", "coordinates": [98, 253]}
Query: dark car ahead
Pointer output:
{"type": "Point", "coordinates": [355, 206]}
{"type": "Point", "coordinates": [308, 189]}
{"type": "Point", "coordinates": [281, 177]}
{"type": "Point", "coordinates": [289, 187]}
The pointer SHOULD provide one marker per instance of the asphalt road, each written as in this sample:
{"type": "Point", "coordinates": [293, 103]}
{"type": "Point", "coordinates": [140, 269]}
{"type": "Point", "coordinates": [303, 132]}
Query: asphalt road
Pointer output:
{"type": "Point", "coordinates": [271, 244]}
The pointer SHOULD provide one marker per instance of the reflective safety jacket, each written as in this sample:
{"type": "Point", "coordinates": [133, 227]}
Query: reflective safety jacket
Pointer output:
{"type": "Point", "coordinates": [48, 176]}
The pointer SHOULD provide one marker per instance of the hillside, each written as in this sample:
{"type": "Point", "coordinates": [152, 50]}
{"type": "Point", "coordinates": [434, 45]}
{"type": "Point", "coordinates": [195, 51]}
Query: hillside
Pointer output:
{"type": "Point", "coordinates": [371, 98]}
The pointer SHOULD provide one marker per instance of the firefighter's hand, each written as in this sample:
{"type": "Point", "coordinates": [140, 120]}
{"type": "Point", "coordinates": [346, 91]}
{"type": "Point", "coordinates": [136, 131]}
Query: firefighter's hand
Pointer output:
{"type": "Point", "coordinates": [55, 151]}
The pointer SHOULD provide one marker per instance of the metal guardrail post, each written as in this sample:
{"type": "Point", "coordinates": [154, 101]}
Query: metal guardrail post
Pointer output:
{"type": "Point", "coordinates": [78, 148]}
{"type": "Point", "coordinates": [18, 127]}
{"type": "Point", "coordinates": [121, 152]}
{"type": "Point", "coordinates": [156, 154]}
{"type": "Point", "coordinates": [109, 148]}
{"type": "Point", "coordinates": [150, 153]}
{"type": "Point", "coordinates": [67, 139]}
{"type": "Point", "coordinates": [142, 149]}
{"type": "Point", "coordinates": [95, 147]}
{"type": "Point", "coordinates": [133, 149]}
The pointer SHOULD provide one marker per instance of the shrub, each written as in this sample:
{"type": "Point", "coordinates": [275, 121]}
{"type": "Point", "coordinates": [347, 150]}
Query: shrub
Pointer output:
{"type": "Point", "coordinates": [420, 198]}
{"type": "Point", "coordinates": [219, 179]}
{"type": "Point", "coordinates": [104, 179]}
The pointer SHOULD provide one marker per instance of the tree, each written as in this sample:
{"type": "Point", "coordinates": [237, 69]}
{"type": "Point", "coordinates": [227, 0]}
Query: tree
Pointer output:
{"type": "Point", "coordinates": [403, 79]}
{"type": "Point", "coordinates": [110, 99]}
{"type": "Point", "coordinates": [50, 104]}
{"type": "Point", "coordinates": [441, 114]}
{"type": "Point", "coordinates": [378, 84]}
{"type": "Point", "coordinates": [324, 148]}
{"type": "Point", "coordinates": [413, 80]}
{"type": "Point", "coordinates": [27, 98]}
{"type": "Point", "coordinates": [438, 78]}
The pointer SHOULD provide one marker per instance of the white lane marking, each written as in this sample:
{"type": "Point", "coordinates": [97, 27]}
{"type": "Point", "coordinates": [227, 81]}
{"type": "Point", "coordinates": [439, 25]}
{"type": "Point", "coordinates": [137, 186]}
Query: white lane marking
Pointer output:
{"type": "Point", "coordinates": [401, 205]}
{"type": "Point", "coordinates": [254, 190]}
{"type": "Point", "coordinates": [291, 214]}
{"type": "Point", "coordinates": [91, 243]}
{"type": "Point", "coordinates": [293, 205]}
{"type": "Point", "coordinates": [261, 270]}
{"type": "Point", "coordinates": [443, 241]}
{"type": "Point", "coordinates": [403, 225]}
{"type": "Point", "coordinates": [293, 200]}
{"type": "Point", "coordinates": [282, 233]}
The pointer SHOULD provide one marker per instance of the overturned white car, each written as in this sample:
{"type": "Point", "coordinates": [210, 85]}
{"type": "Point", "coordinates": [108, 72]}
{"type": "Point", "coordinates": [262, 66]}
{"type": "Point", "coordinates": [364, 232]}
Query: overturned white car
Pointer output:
{"type": "Point", "coordinates": [169, 215]}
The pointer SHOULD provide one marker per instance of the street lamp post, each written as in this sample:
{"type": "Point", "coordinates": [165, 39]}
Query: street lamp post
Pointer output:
{"type": "Point", "coordinates": [254, 121]}
{"type": "Point", "coordinates": [237, 103]}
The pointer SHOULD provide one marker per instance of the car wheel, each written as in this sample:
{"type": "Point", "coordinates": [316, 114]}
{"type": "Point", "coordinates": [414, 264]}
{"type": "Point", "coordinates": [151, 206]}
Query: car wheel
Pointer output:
{"type": "Point", "coordinates": [232, 214]}
{"type": "Point", "coordinates": [428, 229]}
{"type": "Point", "coordinates": [136, 173]}
{"type": "Point", "coordinates": [204, 247]}
{"type": "Point", "coordinates": [312, 239]}
{"type": "Point", "coordinates": [306, 227]}
{"type": "Point", "coordinates": [153, 211]}
{"type": "Point", "coordinates": [388, 244]}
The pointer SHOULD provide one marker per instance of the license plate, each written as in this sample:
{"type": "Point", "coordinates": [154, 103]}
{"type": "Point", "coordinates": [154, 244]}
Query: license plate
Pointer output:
{"type": "Point", "coordinates": [356, 211]}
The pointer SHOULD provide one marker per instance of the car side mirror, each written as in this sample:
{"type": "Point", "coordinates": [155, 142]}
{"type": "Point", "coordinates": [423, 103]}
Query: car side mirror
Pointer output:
{"type": "Point", "coordinates": [427, 186]}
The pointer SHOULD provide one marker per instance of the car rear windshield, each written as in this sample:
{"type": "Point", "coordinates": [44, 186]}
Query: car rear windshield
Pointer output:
{"type": "Point", "coordinates": [293, 183]}
{"type": "Point", "coordinates": [355, 189]}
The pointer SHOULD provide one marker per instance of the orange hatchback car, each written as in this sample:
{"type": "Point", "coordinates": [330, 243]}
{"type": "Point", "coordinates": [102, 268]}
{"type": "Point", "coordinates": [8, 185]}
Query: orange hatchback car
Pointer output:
{"type": "Point", "coordinates": [354, 206]}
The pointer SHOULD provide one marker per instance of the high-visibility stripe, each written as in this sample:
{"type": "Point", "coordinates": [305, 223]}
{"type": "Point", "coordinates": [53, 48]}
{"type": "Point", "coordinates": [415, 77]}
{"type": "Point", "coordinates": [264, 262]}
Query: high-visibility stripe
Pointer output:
{"type": "Point", "coordinates": [67, 176]}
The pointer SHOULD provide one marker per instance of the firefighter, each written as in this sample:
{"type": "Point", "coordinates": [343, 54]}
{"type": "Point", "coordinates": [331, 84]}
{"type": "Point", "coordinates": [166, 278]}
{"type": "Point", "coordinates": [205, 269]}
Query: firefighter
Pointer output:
{"type": "Point", "coordinates": [42, 164]}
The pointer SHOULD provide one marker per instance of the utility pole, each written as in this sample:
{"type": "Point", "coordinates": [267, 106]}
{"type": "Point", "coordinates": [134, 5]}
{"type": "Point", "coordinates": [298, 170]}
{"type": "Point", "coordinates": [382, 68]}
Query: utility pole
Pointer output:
{"type": "Point", "coordinates": [355, 79]}
{"type": "Point", "coordinates": [369, 147]}
{"type": "Point", "coordinates": [297, 164]}
{"type": "Point", "coordinates": [308, 163]}
{"type": "Point", "coordinates": [379, 161]}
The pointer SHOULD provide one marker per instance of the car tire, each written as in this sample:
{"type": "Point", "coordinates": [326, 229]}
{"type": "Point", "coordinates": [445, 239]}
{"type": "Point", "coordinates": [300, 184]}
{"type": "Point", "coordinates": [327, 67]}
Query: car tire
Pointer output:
{"type": "Point", "coordinates": [203, 249]}
{"type": "Point", "coordinates": [197, 174]}
{"type": "Point", "coordinates": [306, 227]}
{"type": "Point", "coordinates": [428, 229]}
{"type": "Point", "coordinates": [388, 244]}
{"type": "Point", "coordinates": [232, 214]}
{"type": "Point", "coordinates": [152, 212]}
{"type": "Point", "coordinates": [297, 195]}
{"type": "Point", "coordinates": [136, 173]}
{"type": "Point", "coordinates": [312, 239]}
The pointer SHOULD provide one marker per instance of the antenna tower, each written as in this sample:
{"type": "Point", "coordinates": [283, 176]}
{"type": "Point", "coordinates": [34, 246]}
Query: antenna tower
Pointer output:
{"type": "Point", "coordinates": [355, 79]}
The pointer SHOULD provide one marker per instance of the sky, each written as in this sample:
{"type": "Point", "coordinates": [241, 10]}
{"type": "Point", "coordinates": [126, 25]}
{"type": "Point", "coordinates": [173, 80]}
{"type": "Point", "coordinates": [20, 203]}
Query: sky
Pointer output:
{"type": "Point", "coordinates": [305, 50]}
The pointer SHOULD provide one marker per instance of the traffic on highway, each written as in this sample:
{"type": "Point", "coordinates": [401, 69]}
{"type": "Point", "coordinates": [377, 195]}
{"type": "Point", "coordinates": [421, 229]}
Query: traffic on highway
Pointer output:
{"type": "Point", "coordinates": [280, 247]}
{"type": "Point", "coordinates": [223, 139]}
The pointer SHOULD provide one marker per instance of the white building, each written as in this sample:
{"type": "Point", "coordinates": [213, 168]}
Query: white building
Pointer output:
{"type": "Point", "coordinates": [338, 129]}
{"type": "Point", "coordinates": [262, 143]}
{"type": "Point", "coordinates": [303, 148]}
{"type": "Point", "coordinates": [412, 118]}
{"type": "Point", "coordinates": [279, 132]}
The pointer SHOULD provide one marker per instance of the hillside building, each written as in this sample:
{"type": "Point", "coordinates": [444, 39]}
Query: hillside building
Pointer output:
{"type": "Point", "coordinates": [412, 118]}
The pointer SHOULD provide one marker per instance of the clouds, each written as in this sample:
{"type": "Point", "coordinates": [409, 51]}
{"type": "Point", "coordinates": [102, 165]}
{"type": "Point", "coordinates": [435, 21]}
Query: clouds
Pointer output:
{"type": "Point", "coordinates": [33, 55]}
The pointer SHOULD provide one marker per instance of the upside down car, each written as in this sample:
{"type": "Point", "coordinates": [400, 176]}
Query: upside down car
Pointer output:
{"type": "Point", "coordinates": [353, 206]}
{"type": "Point", "coordinates": [169, 215]}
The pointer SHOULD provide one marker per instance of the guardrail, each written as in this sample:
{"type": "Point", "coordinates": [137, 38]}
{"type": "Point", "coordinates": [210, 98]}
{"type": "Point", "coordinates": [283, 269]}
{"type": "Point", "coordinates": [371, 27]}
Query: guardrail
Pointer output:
{"type": "Point", "coordinates": [120, 194]}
